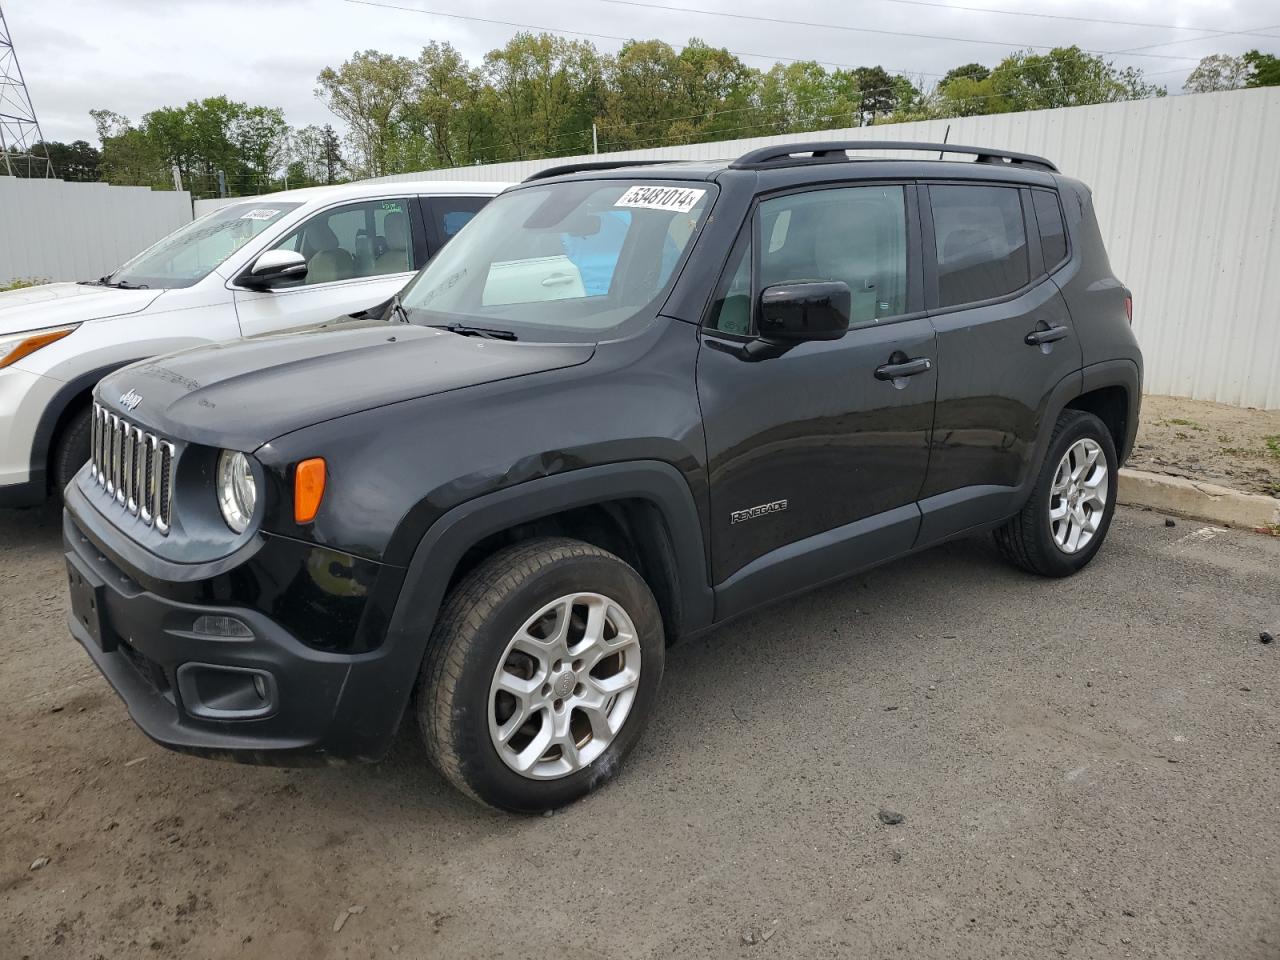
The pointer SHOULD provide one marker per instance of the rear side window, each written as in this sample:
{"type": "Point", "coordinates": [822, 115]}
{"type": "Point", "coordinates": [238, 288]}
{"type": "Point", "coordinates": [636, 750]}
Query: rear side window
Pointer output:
{"type": "Point", "coordinates": [451, 214]}
{"type": "Point", "coordinates": [981, 242]}
{"type": "Point", "coordinates": [1053, 234]}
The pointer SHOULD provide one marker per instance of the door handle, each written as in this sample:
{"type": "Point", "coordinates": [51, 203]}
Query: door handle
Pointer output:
{"type": "Point", "coordinates": [1038, 338]}
{"type": "Point", "coordinates": [557, 280]}
{"type": "Point", "coordinates": [903, 368]}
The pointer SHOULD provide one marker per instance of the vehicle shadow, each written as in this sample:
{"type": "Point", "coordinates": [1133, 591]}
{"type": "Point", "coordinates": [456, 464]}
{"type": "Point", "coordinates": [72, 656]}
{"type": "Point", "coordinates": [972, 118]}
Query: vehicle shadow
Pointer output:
{"type": "Point", "coordinates": [30, 528]}
{"type": "Point", "coordinates": [713, 680]}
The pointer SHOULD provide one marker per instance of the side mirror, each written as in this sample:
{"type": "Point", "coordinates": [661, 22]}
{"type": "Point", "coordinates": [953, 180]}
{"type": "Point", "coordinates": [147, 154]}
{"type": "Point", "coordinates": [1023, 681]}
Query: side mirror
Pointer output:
{"type": "Point", "coordinates": [276, 267]}
{"type": "Point", "coordinates": [792, 313]}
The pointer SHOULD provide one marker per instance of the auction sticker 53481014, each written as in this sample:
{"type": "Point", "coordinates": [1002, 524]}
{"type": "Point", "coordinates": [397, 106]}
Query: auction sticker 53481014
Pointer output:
{"type": "Point", "coordinates": [673, 199]}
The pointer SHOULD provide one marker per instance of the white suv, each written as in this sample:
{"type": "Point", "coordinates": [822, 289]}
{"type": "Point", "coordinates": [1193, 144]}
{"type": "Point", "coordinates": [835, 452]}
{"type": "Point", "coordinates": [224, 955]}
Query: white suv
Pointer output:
{"type": "Point", "coordinates": [255, 266]}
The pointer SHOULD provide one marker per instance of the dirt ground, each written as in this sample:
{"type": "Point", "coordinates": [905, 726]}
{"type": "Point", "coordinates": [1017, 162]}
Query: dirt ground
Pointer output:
{"type": "Point", "coordinates": [1235, 447]}
{"type": "Point", "coordinates": [1087, 768]}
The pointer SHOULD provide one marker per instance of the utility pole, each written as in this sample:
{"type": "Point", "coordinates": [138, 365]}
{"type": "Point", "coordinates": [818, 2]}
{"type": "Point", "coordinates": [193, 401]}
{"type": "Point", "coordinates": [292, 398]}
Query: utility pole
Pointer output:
{"type": "Point", "coordinates": [595, 140]}
{"type": "Point", "coordinates": [20, 134]}
{"type": "Point", "coordinates": [222, 184]}
{"type": "Point", "coordinates": [177, 178]}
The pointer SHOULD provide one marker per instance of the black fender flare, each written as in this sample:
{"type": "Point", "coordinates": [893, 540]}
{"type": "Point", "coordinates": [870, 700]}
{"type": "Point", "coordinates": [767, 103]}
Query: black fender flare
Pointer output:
{"type": "Point", "coordinates": [449, 538]}
{"type": "Point", "coordinates": [377, 700]}
{"type": "Point", "coordinates": [1108, 373]}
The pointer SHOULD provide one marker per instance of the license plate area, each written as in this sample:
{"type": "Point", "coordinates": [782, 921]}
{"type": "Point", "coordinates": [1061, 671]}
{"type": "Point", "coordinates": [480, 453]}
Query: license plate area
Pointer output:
{"type": "Point", "coordinates": [88, 592]}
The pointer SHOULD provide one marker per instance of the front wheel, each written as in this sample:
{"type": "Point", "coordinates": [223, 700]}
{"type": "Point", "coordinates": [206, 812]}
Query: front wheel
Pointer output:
{"type": "Point", "coordinates": [1066, 519]}
{"type": "Point", "coordinates": [71, 449]}
{"type": "Point", "coordinates": [540, 675]}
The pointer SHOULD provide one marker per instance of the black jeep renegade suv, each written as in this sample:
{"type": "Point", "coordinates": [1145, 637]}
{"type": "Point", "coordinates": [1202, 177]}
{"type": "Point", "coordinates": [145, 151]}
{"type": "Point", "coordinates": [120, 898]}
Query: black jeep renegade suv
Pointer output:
{"type": "Point", "coordinates": [624, 405]}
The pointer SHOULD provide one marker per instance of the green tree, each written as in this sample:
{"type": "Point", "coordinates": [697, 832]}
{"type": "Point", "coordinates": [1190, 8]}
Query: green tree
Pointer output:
{"type": "Point", "coordinates": [798, 97]}
{"type": "Point", "coordinates": [71, 161]}
{"type": "Point", "coordinates": [369, 92]}
{"type": "Point", "coordinates": [1065, 77]}
{"type": "Point", "coordinates": [545, 91]}
{"type": "Point", "coordinates": [879, 92]}
{"type": "Point", "coordinates": [967, 71]}
{"type": "Point", "coordinates": [129, 156]}
{"type": "Point", "coordinates": [1217, 72]}
{"type": "Point", "coordinates": [1264, 69]}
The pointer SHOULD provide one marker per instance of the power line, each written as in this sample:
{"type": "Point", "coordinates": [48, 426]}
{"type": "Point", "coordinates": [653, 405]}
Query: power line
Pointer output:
{"type": "Point", "coordinates": [1212, 36]}
{"type": "Point", "coordinates": [1064, 16]}
{"type": "Point", "coordinates": [871, 30]}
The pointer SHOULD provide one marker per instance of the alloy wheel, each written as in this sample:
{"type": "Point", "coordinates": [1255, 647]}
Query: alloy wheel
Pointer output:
{"type": "Point", "coordinates": [564, 686]}
{"type": "Point", "coordinates": [1078, 497]}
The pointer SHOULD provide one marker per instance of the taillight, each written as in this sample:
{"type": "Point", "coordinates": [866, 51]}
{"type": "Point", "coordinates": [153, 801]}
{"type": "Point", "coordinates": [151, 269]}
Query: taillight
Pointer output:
{"type": "Point", "coordinates": [1128, 309]}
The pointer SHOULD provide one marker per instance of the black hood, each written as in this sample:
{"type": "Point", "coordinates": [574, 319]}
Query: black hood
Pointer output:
{"type": "Point", "coordinates": [244, 393]}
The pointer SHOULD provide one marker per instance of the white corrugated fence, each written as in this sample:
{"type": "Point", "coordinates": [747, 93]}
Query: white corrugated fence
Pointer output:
{"type": "Point", "coordinates": [1187, 191]}
{"type": "Point", "coordinates": [61, 230]}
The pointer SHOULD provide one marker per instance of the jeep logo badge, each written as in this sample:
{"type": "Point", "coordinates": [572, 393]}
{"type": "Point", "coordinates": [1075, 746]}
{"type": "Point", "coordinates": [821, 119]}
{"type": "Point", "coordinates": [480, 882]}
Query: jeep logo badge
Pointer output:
{"type": "Point", "coordinates": [131, 400]}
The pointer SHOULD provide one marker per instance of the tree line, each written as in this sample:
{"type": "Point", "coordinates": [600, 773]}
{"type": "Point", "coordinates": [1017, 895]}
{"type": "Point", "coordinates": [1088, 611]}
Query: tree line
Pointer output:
{"type": "Point", "coordinates": [542, 95]}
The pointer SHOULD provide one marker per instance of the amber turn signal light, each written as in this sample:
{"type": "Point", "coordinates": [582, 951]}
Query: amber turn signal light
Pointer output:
{"type": "Point", "coordinates": [13, 349]}
{"type": "Point", "coordinates": [308, 489]}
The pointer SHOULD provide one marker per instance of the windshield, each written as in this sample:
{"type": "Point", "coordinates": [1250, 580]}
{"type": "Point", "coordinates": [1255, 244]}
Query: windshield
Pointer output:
{"type": "Point", "coordinates": [563, 260]}
{"type": "Point", "coordinates": [188, 255]}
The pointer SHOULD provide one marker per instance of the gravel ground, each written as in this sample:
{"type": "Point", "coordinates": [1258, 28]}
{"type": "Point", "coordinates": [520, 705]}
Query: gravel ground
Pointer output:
{"type": "Point", "coordinates": [1086, 768]}
{"type": "Point", "coordinates": [1231, 446]}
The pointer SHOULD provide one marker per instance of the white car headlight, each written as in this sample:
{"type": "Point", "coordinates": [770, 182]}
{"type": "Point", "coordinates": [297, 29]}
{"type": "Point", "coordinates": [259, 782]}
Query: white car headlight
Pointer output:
{"type": "Point", "coordinates": [237, 490]}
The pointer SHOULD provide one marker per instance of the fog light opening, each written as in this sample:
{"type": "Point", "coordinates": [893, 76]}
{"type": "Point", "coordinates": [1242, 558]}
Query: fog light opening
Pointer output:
{"type": "Point", "coordinates": [260, 687]}
{"type": "Point", "coordinates": [215, 625]}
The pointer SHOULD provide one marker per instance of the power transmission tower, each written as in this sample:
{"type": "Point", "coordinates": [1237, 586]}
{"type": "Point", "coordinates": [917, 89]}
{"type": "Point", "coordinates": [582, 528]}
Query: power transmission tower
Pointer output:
{"type": "Point", "coordinates": [20, 134]}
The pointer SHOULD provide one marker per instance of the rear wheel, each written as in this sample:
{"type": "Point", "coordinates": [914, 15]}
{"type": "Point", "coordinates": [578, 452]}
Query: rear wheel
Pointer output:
{"type": "Point", "coordinates": [541, 674]}
{"type": "Point", "coordinates": [71, 449]}
{"type": "Point", "coordinates": [1066, 519]}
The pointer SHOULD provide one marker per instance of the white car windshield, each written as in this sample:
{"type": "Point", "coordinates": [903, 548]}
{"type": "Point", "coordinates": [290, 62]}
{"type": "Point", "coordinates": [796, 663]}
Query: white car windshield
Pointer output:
{"type": "Point", "coordinates": [187, 255]}
{"type": "Point", "coordinates": [563, 259]}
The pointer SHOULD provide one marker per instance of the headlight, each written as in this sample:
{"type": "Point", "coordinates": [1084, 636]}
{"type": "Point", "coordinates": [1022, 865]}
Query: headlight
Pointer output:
{"type": "Point", "coordinates": [237, 490]}
{"type": "Point", "coordinates": [15, 346]}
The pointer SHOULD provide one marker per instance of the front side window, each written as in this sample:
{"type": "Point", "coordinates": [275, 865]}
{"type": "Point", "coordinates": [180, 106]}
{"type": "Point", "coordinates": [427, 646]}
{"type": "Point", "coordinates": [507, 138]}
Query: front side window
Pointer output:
{"type": "Point", "coordinates": [366, 239]}
{"type": "Point", "coordinates": [190, 254]}
{"type": "Point", "coordinates": [854, 234]}
{"type": "Point", "coordinates": [981, 241]}
{"type": "Point", "coordinates": [554, 259]}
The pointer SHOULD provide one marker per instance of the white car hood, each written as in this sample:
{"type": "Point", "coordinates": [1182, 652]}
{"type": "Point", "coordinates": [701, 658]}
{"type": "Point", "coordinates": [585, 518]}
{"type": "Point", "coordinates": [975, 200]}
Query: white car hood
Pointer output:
{"type": "Point", "coordinates": [57, 304]}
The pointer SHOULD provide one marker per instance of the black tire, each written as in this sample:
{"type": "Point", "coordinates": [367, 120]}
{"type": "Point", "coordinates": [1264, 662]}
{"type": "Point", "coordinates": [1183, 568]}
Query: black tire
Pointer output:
{"type": "Point", "coordinates": [480, 617]}
{"type": "Point", "coordinates": [71, 450]}
{"type": "Point", "coordinates": [1027, 539]}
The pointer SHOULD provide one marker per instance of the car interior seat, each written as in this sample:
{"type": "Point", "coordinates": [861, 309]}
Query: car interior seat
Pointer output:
{"type": "Point", "coordinates": [326, 260]}
{"type": "Point", "coordinates": [396, 257]}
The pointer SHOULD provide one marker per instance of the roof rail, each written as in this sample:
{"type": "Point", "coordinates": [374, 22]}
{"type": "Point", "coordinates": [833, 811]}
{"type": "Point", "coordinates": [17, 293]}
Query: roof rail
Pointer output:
{"type": "Point", "coordinates": [590, 165]}
{"type": "Point", "coordinates": [827, 151]}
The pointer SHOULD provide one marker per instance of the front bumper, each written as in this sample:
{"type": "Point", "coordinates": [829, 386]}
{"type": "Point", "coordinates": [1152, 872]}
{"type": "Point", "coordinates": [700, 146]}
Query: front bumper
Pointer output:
{"type": "Point", "coordinates": [266, 699]}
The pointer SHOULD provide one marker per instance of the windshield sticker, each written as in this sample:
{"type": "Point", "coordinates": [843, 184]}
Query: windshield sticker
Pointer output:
{"type": "Point", "coordinates": [675, 199]}
{"type": "Point", "coordinates": [260, 213]}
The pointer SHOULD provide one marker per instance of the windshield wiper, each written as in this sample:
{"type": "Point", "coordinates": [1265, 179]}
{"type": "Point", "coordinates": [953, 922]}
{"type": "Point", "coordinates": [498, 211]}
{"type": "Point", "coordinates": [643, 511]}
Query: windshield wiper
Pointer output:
{"type": "Point", "coordinates": [397, 308]}
{"type": "Point", "coordinates": [465, 331]}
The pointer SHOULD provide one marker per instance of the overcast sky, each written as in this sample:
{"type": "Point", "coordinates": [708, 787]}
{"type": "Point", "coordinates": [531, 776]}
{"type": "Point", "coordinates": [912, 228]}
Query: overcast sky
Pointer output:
{"type": "Point", "coordinates": [134, 56]}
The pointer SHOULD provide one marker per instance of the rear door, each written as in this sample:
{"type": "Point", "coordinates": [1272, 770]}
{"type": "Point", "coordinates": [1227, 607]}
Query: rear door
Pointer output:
{"type": "Point", "coordinates": [358, 254]}
{"type": "Point", "coordinates": [445, 216]}
{"type": "Point", "coordinates": [1005, 341]}
{"type": "Point", "coordinates": [815, 448]}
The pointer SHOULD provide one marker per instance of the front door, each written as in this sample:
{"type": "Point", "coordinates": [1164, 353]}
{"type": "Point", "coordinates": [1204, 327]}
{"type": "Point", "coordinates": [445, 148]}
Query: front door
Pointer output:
{"type": "Point", "coordinates": [358, 255]}
{"type": "Point", "coordinates": [826, 446]}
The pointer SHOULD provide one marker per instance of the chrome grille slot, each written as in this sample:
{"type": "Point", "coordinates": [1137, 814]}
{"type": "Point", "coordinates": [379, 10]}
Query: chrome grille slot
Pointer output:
{"type": "Point", "coordinates": [134, 467]}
